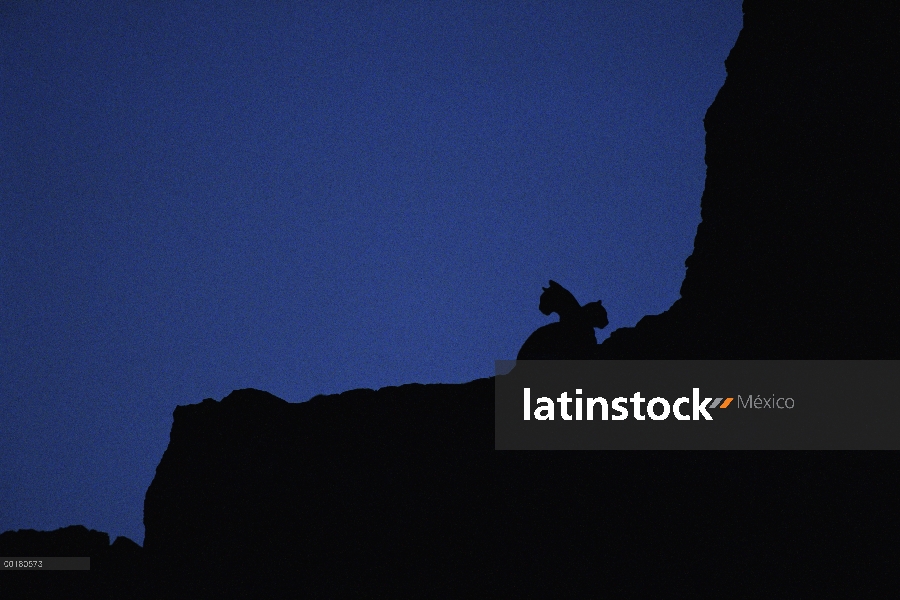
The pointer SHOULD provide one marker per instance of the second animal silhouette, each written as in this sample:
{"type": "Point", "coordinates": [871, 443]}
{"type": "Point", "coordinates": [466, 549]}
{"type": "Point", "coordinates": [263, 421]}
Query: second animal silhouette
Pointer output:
{"type": "Point", "coordinates": [572, 337]}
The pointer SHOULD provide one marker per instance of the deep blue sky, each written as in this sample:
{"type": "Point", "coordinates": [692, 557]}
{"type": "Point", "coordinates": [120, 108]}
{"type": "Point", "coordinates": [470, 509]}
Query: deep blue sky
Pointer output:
{"type": "Point", "coordinates": [306, 198]}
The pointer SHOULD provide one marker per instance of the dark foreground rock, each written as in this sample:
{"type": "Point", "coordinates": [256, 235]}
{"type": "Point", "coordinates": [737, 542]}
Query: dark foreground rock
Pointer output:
{"type": "Point", "coordinates": [341, 495]}
{"type": "Point", "coordinates": [118, 570]}
{"type": "Point", "coordinates": [398, 492]}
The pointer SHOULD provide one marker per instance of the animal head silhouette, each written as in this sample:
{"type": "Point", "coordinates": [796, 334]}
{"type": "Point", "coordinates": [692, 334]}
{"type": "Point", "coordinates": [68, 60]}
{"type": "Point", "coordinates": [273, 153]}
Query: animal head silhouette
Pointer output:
{"type": "Point", "coordinates": [557, 299]}
{"type": "Point", "coordinates": [595, 314]}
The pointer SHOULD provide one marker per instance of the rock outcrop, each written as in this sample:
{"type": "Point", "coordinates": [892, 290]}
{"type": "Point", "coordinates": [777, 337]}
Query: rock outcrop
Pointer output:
{"type": "Point", "coordinates": [797, 254]}
{"type": "Point", "coordinates": [337, 496]}
{"type": "Point", "coordinates": [398, 492]}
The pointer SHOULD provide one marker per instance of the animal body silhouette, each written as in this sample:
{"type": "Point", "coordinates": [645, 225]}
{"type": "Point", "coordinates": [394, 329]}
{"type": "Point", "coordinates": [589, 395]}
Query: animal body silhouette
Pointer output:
{"type": "Point", "coordinates": [572, 337]}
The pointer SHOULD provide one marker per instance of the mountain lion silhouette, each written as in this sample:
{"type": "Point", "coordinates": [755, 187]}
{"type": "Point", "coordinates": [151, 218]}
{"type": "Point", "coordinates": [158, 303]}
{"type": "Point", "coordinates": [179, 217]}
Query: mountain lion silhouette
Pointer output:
{"type": "Point", "coordinates": [572, 337]}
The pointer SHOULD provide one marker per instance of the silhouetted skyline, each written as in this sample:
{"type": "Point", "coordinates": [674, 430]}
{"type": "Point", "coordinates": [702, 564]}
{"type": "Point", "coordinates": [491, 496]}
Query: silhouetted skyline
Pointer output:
{"type": "Point", "coordinates": [311, 199]}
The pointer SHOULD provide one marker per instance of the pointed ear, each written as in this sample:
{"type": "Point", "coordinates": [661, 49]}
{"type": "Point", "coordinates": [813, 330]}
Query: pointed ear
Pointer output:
{"type": "Point", "coordinates": [545, 289]}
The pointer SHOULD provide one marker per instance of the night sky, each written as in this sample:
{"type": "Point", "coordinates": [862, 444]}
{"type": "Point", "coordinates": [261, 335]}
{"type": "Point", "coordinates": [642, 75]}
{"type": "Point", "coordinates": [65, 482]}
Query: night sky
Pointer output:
{"type": "Point", "coordinates": [307, 198]}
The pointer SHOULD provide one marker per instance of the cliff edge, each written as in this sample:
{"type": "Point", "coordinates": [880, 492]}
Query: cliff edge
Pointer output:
{"type": "Point", "coordinates": [797, 253]}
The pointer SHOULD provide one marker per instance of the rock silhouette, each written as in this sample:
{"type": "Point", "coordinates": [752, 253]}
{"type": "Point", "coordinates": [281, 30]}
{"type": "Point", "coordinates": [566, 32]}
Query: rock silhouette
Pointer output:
{"type": "Point", "coordinates": [794, 257]}
{"type": "Point", "coordinates": [340, 496]}
{"type": "Point", "coordinates": [118, 570]}
{"type": "Point", "coordinates": [572, 337]}
{"type": "Point", "coordinates": [399, 491]}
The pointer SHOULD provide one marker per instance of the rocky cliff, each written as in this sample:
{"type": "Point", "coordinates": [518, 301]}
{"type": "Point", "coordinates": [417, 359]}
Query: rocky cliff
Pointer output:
{"type": "Point", "coordinates": [399, 491]}
{"type": "Point", "coordinates": [340, 495]}
{"type": "Point", "coordinates": [797, 252]}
